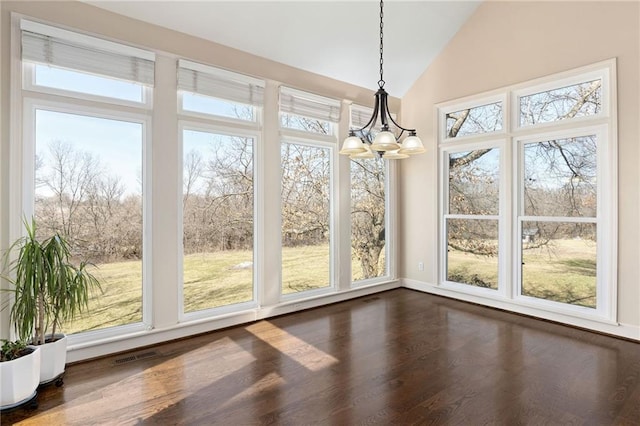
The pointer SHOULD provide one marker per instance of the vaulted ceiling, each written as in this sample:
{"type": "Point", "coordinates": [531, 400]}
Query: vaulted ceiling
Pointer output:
{"type": "Point", "coordinates": [338, 39]}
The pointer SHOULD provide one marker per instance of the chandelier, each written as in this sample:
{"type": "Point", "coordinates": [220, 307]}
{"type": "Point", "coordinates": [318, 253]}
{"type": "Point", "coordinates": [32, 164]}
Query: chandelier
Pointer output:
{"type": "Point", "coordinates": [359, 143]}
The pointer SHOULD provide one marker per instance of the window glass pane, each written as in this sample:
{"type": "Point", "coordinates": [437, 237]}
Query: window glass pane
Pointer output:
{"type": "Point", "coordinates": [560, 177]}
{"type": "Point", "coordinates": [88, 178]}
{"type": "Point", "coordinates": [214, 106]}
{"type": "Point", "coordinates": [306, 194]}
{"type": "Point", "coordinates": [298, 122]}
{"type": "Point", "coordinates": [560, 104]}
{"type": "Point", "coordinates": [474, 121]}
{"type": "Point", "coordinates": [217, 202]}
{"type": "Point", "coordinates": [60, 78]}
{"type": "Point", "coordinates": [368, 219]}
{"type": "Point", "coordinates": [474, 182]}
{"type": "Point", "coordinates": [559, 262]}
{"type": "Point", "coordinates": [472, 252]}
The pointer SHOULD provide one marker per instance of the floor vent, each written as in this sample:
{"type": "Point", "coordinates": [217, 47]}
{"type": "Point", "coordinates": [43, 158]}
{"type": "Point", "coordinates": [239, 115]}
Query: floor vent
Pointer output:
{"type": "Point", "coordinates": [135, 357]}
{"type": "Point", "coordinates": [371, 299]}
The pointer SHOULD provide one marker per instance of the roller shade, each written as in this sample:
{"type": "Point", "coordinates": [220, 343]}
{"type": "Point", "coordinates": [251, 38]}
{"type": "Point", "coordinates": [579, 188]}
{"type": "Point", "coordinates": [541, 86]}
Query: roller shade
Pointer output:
{"type": "Point", "coordinates": [219, 83]}
{"type": "Point", "coordinates": [52, 46]}
{"type": "Point", "coordinates": [297, 102]}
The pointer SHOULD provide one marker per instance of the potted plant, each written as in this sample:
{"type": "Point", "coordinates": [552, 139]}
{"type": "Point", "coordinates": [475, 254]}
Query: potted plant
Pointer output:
{"type": "Point", "coordinates": [48, 290]}
{"type": "Point", "coordinates": [19, 373]}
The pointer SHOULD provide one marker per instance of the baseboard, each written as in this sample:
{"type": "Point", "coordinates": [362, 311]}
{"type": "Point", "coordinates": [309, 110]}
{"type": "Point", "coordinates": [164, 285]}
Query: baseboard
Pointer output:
{"type": "Point", "coordinates": [626, 331]}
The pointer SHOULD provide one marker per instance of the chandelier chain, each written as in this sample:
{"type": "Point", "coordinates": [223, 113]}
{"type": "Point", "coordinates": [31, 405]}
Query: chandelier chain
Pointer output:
{"type": "Point", "coordinates": [381, 81]}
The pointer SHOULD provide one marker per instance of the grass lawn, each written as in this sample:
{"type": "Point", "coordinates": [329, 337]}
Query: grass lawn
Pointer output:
{"type": "Point", "coordinates": [563, 271]}
{"type": "Point", "coordinates": [210, 280]}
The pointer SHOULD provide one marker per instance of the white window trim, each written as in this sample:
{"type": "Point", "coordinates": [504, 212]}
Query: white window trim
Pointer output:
{"type": "Point", "coordinates": [390, 230]}
{"type": "Point", "coordinates": [472, 102]}
{"type": "Point", "coordinates": [30, 105]}
{"type": "Point", "coordinates": [604, 125]}
{"type": "Point", "coordinates": [604, 202]}
{"type": "Point", "coordinates": [599, 71]}
{"type": "Point", "coordinates": [503, 287]}
{"type": "Point", "coordinates": [311, 141]}
{"type": "Point", "coordinates": [217, 129]}
{"type": "Point", "coordinates": [29, 81]}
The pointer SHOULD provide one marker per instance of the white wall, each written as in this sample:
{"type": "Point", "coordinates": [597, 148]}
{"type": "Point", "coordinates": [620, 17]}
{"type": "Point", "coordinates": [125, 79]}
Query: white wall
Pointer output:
{"type": "Point", "coordinates": [505, 43]}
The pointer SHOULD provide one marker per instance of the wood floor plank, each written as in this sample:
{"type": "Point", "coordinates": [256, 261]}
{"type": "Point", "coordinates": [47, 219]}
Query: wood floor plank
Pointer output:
{"type": "Point", "coordinates": [397, 358]}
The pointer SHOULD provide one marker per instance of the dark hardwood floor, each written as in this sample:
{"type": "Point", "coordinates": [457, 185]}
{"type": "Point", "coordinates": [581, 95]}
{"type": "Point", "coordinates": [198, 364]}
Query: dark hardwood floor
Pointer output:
{"type": "Point", "coordinates": [399, 357]}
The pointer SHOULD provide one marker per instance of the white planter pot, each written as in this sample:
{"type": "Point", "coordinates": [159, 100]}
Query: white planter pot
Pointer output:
{"type": "Point", "coordinates": [19, 379]}
{"type": "Point", "coordinates": [54, 357]}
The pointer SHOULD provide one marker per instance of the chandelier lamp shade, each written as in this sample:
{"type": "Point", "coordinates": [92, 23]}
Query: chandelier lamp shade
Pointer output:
{"type": "Point", "coordinates": [386, 143]}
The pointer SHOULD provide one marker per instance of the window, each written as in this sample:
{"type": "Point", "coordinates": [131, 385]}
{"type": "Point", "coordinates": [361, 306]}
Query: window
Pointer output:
{"type": "Point", "coordinates": [88, 187]}
{"type": "Point", "coordinates": [64, 62]}
{"type": "Point", "coordinates": [217, 211]}
{"type": "Point", "coordinates": [213, 92]}
{"type": "Point", "coordinates": [474, 120]}
{"type": "Point", "coordinates": [307, 190]}
{"type": "Point", "coordinates": [368, 210]}
{"type": "Point", "coordinates": [308, 112]}
{"type": "Point", "coordinates": [79, 82]}
{"type": "Point", "coordinates": [85, 161]}
{"type": "Point", "coordinates": [558, 223]}
{"type": "Point", "coordinates": [578, 100]}
{"type": "Point", "coordinates": [179, 194]}
{"type": "Point", "coordinates": [472, 217]}
{"type": "Point", "coordinates": [561, 206]}
{"type": "Point", "coordinates": [306, 217]}
{"type": "Point", "coordinates": [217, 186]}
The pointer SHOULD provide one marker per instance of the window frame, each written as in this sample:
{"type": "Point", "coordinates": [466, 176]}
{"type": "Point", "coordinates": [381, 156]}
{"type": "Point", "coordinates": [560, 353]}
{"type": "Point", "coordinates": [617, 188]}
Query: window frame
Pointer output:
{"type": "Point", "coordinates": [217, 129]}
{"type": "Point", "coordinates": [292, 137]}
{"type": "Point", "coordinates": [604, 296]}
{"type": "Point", "coordinates": [472, 102]}
{"type": "Point", "coordinates": [33, 103]}
{"type": "Point", "coordinates": [444, 215]}
{"type": "Point", "coordinates": [29, 98]}
{"type": "Point", "coordinates": [389, 249]}
{"type": "Point", "coordinates": [603, 124]}
{"type": "Point", "coordinates": [29, 84]}
{"type": "Point", "coordinates": [561, 80]}
{"type": "Point", "coordinates": [218, 124]}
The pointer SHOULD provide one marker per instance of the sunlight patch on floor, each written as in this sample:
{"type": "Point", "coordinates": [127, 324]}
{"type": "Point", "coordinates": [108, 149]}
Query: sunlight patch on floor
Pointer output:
{"type": "Point", "coordinates": [307, 355]}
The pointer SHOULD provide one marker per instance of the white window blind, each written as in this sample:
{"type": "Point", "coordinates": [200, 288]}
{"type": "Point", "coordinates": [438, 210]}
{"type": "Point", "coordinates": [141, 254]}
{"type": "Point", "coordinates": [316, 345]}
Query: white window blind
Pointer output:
{"type": "Point", "coordinates": [53, 46]}
{"type": "Point", "coordinates": [297, 102]}
{"type": "Point", "coordinates": [219, 83]}
{"type": "Point", "coordinates": [360, 116]}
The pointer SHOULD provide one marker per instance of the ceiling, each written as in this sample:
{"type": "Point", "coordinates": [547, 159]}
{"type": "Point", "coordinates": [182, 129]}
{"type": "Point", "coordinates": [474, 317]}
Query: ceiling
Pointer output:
{"type": "Point", "coordinates": [338, 39]}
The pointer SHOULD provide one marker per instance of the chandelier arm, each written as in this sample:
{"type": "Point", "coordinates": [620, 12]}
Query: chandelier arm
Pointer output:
{"type": "Point", "coordinates": [403, 129]}
{"type": "Point", "coordinates": [372, 120]}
